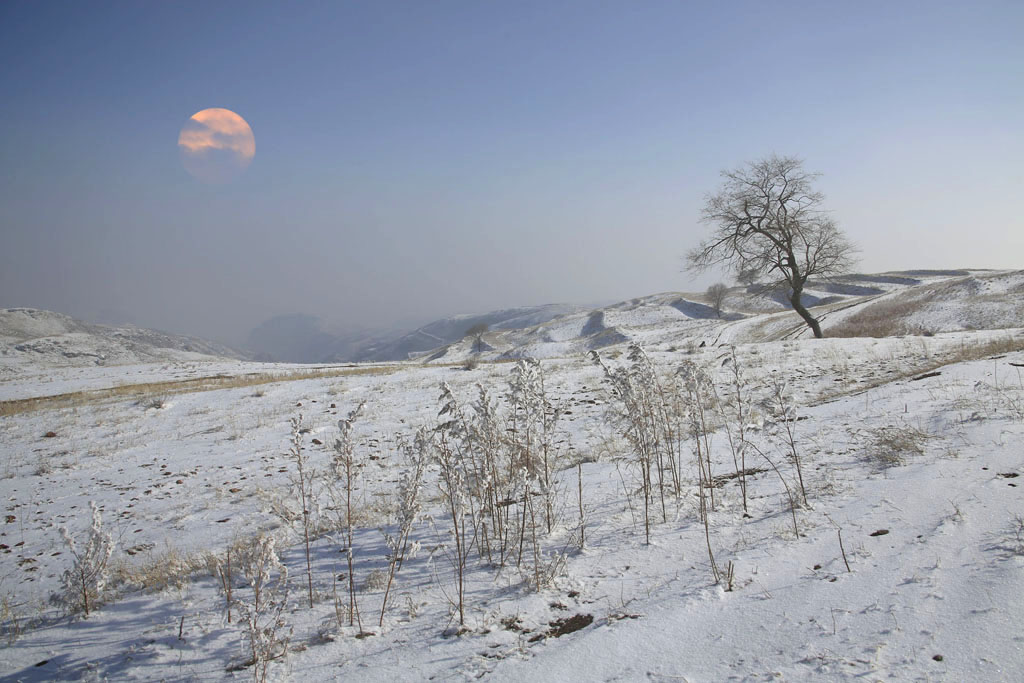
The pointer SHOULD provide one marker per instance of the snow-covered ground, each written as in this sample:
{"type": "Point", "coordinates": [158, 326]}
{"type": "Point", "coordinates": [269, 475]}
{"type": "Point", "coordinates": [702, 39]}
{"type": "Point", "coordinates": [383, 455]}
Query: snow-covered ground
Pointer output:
{"type": "Point", "coordinates": [33, 341]}
{"type": "Point", "coordinates": [934, 543]}
{"type": "Point", "coordinates": [906, 302]}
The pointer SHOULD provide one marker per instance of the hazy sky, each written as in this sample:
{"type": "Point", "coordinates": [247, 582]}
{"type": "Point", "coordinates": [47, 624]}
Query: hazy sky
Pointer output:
{"type": "Point", "coordinates": [427, 158]}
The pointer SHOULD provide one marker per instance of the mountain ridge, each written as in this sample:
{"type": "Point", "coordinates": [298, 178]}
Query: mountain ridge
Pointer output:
{"type": "Point", "coordinates": [882, 304]}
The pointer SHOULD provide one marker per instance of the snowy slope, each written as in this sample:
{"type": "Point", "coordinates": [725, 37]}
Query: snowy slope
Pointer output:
{"type": "Point", "coordinates": [190, 473]}
{"type": "Point", "coordinates": [907, 302]}
{"type": "Point", "coordinates": [910, 445]}
{"type": "Point", "coordinates": [425, 339]}
{"type": "Point", "coordinates": [32, 340]}
{"type": "Point", "coordinates": [974, 301]}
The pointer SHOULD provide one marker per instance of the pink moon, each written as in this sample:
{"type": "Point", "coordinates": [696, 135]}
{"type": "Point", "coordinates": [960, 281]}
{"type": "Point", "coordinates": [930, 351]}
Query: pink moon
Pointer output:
{"type": "Point", "coordinates": [216, 145]}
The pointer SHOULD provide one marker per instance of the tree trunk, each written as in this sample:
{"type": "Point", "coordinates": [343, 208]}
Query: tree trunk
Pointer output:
{"type": "Point", "coordinates": [811, 321]}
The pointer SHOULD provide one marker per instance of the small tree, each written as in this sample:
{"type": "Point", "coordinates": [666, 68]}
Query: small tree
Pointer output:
{"type": "Point", "coordinates": [477, 331]}
{"type": "Point", "coordinates": [747, 277]}
{"type": "Point", "coordinates": [767, 220]}
{"type": "Point", "coordinates": [716, 297]}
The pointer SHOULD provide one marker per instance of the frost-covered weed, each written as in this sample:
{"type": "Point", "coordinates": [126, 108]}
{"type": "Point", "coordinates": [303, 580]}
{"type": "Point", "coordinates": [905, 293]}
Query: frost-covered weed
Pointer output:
{"type": "Point", "coordinates": [737, 411]}
{"type": "Point", "coordinates": [650, 413]}
{"type": "Point", "coordinates": [169, 568]}
{"type": "Point", "coordinates": [83, 585]}
{"type": "Point", "coordinates": [534, 417]}
{"type": "Point", "coordinates": [154, 403]}
{"type": "Point", "coordinates": [786, 414]}
{"type": "Point", "coordinates": [303, 479]}
{"type": "Point", "coordinates": [454, 482]}
{"type": "Point", "coordinates": [262, 608]}
{"type": "Point", "coordinates": [410, 486]}
{"type": "Point", "coordinates": [345, 468]}
{"type": "Point", "coordinates": [14, 618]}
{"type": "Point", "coordinates": [700, 394]}
{"type": "Point", "coordinates": [497, 466]}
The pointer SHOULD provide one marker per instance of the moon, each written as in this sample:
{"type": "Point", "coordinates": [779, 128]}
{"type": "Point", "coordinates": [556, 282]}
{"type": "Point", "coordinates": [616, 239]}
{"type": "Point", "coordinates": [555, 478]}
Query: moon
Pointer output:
{"type": "Point", "coordinates": [216, 145]}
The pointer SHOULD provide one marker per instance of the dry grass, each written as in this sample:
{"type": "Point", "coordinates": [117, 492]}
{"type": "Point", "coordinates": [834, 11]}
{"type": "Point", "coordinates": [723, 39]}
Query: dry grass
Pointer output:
{"type": "Point", "coordinates": [888, 315]}
{"type": "Point", "coordinates": [170, 568]}
{"type": "Point", "coordinates": [13, 621]}
{"type": "Point", "coordinates": [885, 318]}
{"type": "Point", "coordinates": [1010, 342]}
{"type": "Point", "coordinates": [184, 386]}
{"type": "Point", "coordinates": [163, 390]}
{"type": "Point", "coordinates": [891, 445]}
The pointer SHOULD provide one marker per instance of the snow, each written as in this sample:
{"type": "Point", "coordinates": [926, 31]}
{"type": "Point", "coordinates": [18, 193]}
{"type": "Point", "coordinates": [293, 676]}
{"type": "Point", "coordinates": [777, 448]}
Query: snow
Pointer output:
{"type": "Point", "coordinates": [937, 597]}
{"type": "Point", "coordinates": [33, 341]}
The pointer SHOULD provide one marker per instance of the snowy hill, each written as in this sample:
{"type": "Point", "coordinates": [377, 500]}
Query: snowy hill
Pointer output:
{"type": "Point", "coordinates": [453, 329]}
{"type": "Point", "coordinates": [299, 338]}
{"type": "Point", "coordinates": [887, 304]}
{"type": "Point", "coordinates": [846, 508]}
{"type": "Point", "coordinates": [907, 301]}
{"type": "Point", "coordinates": [977, 301]}
{"type": "Point", "coordinates": [32, 340]}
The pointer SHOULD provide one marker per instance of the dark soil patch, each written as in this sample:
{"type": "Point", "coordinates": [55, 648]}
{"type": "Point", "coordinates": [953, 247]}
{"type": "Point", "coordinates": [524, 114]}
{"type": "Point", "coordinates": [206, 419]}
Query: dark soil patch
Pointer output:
{"type": "Point", "coordinates": [721, 479]}
{"type": "Point", "coordinates": [561, 627]}
{"type": "Point", "coordinates": [926, 376]}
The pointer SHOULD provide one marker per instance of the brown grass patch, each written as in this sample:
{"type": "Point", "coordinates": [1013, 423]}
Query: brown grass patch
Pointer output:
{"type": "Point", "coordinates": [155, 572]}
{"type": "Point", "coordinates": [184, 386]}
{"type": "Point", "coordinates": [885, 318]}
{"type": "Point", "coordinates": [891, 445]}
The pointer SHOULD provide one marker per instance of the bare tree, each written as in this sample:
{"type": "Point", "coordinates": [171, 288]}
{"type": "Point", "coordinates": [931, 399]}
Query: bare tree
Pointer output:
{"type": "Point", "coordinates": [716, 297]}
{"type": "Point", "coordinates": [747, 277]}
{"type": "Point", "coordinates": [767, 220]}
{"type": "Point", "coordinates": [477, 331]}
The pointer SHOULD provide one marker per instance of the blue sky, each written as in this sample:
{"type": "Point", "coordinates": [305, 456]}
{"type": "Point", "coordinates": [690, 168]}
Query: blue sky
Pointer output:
{"type": "Point", "coordinates": [421, 159]}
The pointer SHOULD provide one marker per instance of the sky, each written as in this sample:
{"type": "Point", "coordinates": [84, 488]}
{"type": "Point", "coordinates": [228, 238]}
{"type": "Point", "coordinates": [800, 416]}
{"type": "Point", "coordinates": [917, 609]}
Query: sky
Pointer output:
{"type": "Point", "coordinates": [420, 159]}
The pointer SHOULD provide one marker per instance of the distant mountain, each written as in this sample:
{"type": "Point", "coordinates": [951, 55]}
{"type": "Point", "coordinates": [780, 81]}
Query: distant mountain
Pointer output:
{"type": "Point", "coordinates": [32, 337]}
{"type": "Point", "coordinates": [899, 302]}
{"type": "Point", "coordinates": [447, 331]}
{"type": "Point", "coordinates": [893, 303]}
{"type": "Point", "coordinates": [301, 338]}
{"type": "Point", "coordinates": [295, 338]}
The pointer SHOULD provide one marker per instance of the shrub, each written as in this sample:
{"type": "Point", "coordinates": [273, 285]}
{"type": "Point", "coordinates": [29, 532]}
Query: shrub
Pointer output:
{"type": "Point", "coordinates": [83, 585]}
{"type": "Point", "coordinates": [154, 403]}
{"type": "Point", "coordinates": [266, 632]}
{"type": "Point", "coordinates": [170, 568]}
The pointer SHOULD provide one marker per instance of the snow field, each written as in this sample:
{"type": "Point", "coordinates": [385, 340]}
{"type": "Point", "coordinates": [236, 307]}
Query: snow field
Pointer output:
{"type": "Point", "coordinates": [189, 474]}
